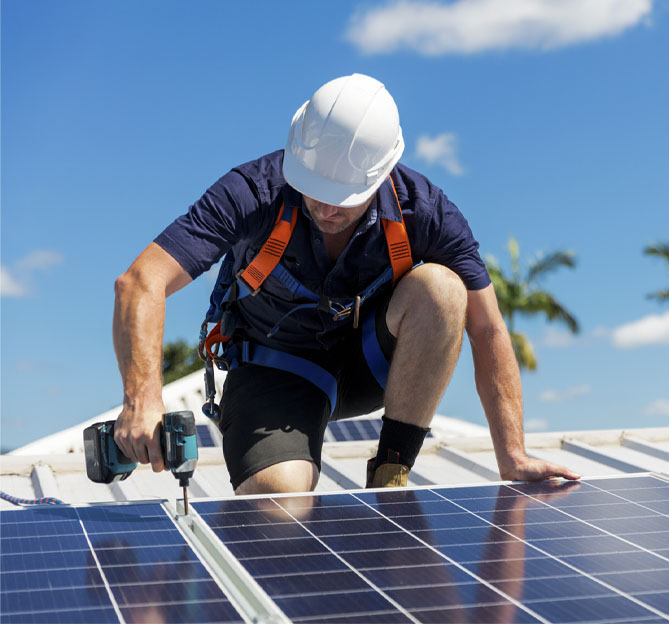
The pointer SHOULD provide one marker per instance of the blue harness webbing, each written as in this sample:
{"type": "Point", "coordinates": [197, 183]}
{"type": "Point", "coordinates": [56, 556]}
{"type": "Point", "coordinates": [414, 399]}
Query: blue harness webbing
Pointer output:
{"type": "Point", "coordinates": [216, 348]}
{"type": "Point", "coordinates": [376, 361]}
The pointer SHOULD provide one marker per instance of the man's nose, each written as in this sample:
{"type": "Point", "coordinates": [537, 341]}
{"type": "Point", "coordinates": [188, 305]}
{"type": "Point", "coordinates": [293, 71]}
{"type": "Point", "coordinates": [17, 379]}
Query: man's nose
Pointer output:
{"type": "Point", "coordinates": [327, 210]}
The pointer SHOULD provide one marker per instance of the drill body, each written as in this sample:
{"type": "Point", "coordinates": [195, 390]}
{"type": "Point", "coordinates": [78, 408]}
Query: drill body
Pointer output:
{"type": "Point", "coordinates": [179, 443]}
{"type": "Point", "coordinates": [105, 463]}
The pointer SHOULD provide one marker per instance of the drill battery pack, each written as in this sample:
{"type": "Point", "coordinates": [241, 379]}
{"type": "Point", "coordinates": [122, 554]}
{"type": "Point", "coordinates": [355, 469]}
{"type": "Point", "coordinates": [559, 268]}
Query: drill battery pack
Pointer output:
{"type": "Point", "coordinates": [105, 463]}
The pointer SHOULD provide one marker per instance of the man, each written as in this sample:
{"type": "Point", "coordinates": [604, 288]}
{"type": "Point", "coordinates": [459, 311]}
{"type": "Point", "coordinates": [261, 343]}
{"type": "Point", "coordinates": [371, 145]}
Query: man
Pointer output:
{"type": "Point", "coordinates": [331, 330]}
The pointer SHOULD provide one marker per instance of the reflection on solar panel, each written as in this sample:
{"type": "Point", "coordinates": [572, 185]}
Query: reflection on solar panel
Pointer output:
{"type": "Point", "coordinates": [348, 430]}
{"type": "Point", "coordinates": [204, 437]}
{"type": "Point", "coordinates": [355, 429]}
{"type": "Point", "coordinates": [103, 564]}
{"type": "Point", "coordinates": [595, 551]}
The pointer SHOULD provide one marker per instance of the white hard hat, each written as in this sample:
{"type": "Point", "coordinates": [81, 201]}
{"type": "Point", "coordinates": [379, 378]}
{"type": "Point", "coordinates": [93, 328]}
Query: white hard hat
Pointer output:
{"type": "Point", "coordinates": [344, 141]}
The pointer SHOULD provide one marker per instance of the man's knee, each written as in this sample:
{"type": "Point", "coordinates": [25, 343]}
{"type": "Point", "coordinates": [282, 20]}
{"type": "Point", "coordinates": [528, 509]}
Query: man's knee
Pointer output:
{"type": "Point", "coordinates": [431, 291]}
{"type": "Point", "coordinates": [296, 475]}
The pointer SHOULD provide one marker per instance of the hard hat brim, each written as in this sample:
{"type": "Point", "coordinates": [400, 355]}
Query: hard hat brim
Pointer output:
{"type": "Point", "coordinates": [328, 191]}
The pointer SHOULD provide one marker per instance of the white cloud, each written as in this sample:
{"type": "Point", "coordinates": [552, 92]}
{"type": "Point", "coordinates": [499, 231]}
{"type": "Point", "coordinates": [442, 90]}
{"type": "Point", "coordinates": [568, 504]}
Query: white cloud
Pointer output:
{"type": "Point", "coordinates": [16, 281]}
{"type": "Point", "coordinates": [649, 330]}
{"type": "Point", "coordinates": [601, 332]}
{"type": "Point", "coordinates": [9, 286]}
{"type": "Point", "coordinates": [442, 150]}
{"type": "Point", "coordinates": [558, 396]}
{"type": "Point", "coordinates": [536, 424]}
{"type": "Point", "coordinates": [39, 260]}
{"type": "Point", "coordinates": [470, 26]}
{"type": "Point", "coordinates": [659, 407]}
{"type": "Point", "coordinates": [558, 338]}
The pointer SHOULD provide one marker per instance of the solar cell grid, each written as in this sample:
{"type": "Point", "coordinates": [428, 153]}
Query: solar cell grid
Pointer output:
{"type": "Point", "coordinates": [355, 430]}
{"type": "Point", "coordinates": [512, 553]}
{"type": "Point", "coordinates": [101, 563]}
{"type": "Point", "coordinates": [352, 430]}
{"type": "Point", "coordinates": [595, 551]}
{"type": "Point", "coordinates": [204, 437]}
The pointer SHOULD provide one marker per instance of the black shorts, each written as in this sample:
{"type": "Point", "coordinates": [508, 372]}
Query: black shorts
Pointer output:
{"type": "Point", "coordinates": [270, 415]}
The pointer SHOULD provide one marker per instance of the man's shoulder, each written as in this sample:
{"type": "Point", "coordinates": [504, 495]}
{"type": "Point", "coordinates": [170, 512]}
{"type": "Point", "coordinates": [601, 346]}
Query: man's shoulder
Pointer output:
{"type": "Point", "coordinates": [265, 174]}
{"type": "Point", "coordinates": [413, 187]}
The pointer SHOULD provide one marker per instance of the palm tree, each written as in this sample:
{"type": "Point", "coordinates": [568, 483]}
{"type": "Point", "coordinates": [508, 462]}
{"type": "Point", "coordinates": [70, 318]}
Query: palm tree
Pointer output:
{"type": "Point", "coordinates": [661, 250]}
{"type": "Point", "coordinates": [519, 295]}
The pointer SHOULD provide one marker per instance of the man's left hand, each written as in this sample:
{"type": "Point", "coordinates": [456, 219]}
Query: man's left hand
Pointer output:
{"type": "Point", "coordinates": [530, 469]}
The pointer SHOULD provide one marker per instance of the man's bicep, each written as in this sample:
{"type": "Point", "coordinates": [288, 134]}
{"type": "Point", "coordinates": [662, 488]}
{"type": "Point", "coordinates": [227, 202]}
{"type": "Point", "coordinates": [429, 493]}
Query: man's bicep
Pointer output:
{"type": "Point", "coordinates": [158, 266]}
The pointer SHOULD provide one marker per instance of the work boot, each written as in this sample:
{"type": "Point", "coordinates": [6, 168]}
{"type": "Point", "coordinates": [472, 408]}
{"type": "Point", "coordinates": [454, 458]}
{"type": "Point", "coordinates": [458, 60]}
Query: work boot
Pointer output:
{"type": "Point", "coordinates": [387, 475]}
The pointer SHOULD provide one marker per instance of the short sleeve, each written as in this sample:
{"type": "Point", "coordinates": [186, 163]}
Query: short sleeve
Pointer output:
{"type": "Point", "coordinates": [447, 239]}
{"type": "Point", "coordinates": [223, 216]}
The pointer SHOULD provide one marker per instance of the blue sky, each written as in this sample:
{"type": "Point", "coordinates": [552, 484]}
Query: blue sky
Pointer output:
{"type": "Point", "coordinates": [545, 120]}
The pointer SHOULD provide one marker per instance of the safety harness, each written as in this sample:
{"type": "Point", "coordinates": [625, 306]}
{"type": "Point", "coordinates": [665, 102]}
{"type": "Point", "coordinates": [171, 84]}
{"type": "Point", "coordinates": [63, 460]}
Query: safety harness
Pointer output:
{"type": "Point", "coordinates": [216, 347]}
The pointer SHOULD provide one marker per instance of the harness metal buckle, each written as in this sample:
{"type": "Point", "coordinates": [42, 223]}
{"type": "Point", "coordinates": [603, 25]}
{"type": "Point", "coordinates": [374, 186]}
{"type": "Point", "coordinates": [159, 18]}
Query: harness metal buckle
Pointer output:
{"type": "Point", "coordinates": [342, 314]}
{"type": "Point", "coordinates": [239, 277]}
{"type": "Point", "coordinates": [356, 312]}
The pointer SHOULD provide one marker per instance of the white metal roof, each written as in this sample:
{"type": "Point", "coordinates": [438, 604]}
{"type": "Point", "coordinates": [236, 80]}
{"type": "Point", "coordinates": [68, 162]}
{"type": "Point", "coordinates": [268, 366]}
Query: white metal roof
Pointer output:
{"type": "Point", "coordinates": [457, 453]}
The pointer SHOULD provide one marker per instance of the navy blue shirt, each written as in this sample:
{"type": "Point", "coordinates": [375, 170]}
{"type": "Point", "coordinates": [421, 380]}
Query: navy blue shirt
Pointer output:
{"type": "Point", "coordinates": [238, 212]}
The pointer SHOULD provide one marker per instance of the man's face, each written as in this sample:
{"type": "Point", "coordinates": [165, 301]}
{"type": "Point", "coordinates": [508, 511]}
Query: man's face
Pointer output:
{"type": "Point", "coordinates": [333, 219]}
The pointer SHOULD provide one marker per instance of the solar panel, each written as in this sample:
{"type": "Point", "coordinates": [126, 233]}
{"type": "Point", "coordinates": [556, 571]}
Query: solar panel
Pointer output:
{"type": "Point", "coordinates": [356, 429]}
{"type": "Point", "coordinates": [204, 437]}
{"type": "Point", "coordinates": [103, 564]}
{"type": "Point", "coordinates": [349, 430]}
{"type": "Point", "coordinates": [593, 551]}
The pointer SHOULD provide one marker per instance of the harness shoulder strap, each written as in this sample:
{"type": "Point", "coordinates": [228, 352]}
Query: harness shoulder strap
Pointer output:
{"type": "Point", "coordinates": [398, 243]}
{"type": "Point", "coordinates": [272, 250]}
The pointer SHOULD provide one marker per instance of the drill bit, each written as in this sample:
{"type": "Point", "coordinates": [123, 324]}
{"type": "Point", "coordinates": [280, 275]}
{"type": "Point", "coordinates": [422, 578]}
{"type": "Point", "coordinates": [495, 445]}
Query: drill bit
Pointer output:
{"type": "Point", "coordinates": [185, 500]}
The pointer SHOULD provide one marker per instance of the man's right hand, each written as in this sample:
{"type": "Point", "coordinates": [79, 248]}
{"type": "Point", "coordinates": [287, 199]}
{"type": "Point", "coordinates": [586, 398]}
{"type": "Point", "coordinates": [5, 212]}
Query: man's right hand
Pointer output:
{"type": "Point", "coordinates": [137, 434]}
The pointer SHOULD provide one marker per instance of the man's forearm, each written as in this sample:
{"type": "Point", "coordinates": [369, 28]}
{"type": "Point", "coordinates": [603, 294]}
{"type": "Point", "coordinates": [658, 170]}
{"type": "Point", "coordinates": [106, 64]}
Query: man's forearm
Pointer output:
{"type": "Point", "coordinates": [139, 319]}
{"type": "Point", "coordinates": [499, 387]}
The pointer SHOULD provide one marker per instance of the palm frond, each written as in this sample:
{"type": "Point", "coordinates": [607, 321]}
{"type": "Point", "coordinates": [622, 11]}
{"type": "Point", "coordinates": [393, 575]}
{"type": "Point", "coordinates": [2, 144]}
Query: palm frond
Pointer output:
{"type": "Point", "coordinates": [658, 249]}
{"type": "Point", "coordinates": [514, 252]}
{"type": "Point", "coordinates": [523, 350]}
{"type": "Point", "coordinates": [546, 264]}
{"type": "Point", "coordinates": [660, 295]}
{"type": "Point", "coordinates": [541, 302]}
{"type": "Point", "coordinates": [661, 250]}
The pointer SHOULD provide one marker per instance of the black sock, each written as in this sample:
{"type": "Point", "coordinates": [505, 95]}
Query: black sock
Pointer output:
{"type": "Point", "coordinates": [398, 438]}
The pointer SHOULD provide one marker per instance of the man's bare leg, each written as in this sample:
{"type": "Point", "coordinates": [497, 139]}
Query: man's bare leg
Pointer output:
{"type": "Point", "coordinates": [427, 316]}
{"type": "Point", "coordinates": [297, 475]}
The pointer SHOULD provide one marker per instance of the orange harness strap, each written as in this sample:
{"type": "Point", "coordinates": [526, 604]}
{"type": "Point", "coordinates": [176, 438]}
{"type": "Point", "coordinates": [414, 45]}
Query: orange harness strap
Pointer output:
{"type": "Point", "coordinates": [271, 251]}
{"type": "Point", "coordinates": [398, 243]}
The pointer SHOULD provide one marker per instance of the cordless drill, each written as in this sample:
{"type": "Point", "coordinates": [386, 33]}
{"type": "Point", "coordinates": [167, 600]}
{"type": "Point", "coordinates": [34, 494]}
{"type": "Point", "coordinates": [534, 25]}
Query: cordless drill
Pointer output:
{"type": "Point", "coordinates": [106, 463]}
